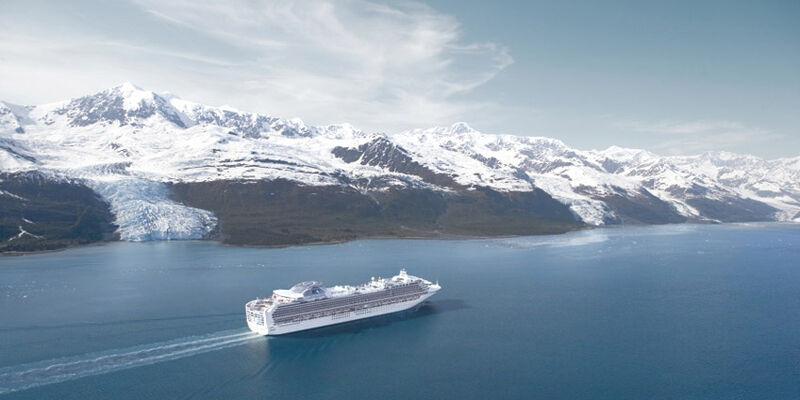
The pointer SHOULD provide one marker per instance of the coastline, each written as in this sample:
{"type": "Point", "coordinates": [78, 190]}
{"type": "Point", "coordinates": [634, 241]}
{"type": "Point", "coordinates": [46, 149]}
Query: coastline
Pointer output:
{"type": "Point", "coordinates": [74, 246]}
{"type": "Point", "coordinates": [299, 244]}
{"type": "Point", "coordinates": [444, 237]}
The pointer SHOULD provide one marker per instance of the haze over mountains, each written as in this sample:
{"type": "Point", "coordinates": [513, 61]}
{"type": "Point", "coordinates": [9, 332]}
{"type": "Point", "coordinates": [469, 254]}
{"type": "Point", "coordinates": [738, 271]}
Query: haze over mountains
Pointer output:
{"type": "Point", "coordinates": [166, 168]}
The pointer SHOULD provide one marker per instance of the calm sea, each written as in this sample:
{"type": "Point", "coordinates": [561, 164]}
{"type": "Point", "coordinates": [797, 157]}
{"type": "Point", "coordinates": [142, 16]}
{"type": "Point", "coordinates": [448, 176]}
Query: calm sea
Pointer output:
{"type": "Point", "coordinates": [679, 311]}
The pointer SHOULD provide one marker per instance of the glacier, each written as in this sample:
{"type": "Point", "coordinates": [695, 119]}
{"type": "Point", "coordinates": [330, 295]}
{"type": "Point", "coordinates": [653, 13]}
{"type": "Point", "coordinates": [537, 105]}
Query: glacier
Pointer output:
{"type": "Point", "coordinates": [144, 211]}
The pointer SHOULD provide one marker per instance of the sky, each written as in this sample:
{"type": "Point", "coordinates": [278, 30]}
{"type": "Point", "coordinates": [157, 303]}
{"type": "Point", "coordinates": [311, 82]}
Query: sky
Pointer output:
{"type": "Point", "coordinates": [677, 77]}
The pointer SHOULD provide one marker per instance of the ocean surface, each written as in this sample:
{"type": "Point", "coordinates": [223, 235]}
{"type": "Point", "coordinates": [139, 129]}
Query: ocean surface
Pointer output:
{"type": "Point", "coordinates": [680, 311]}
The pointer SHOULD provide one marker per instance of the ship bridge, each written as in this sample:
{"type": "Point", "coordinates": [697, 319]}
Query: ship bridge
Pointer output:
{"type": "Point", "coordinates": [303, 291]}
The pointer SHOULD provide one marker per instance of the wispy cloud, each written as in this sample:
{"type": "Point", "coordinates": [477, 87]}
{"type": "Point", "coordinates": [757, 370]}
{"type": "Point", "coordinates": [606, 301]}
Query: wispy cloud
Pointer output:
{"type": "Point", "coordinates": [380, 66]}
{"type": "Point", "coordinates": [682, 127]}
{"type": "Point", "coordinates": [691, 137]}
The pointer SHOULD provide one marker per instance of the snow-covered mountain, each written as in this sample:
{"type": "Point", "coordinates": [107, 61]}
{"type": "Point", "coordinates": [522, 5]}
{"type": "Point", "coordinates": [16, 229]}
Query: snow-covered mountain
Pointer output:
{"type": "Point", "coordinates": [130, 144]}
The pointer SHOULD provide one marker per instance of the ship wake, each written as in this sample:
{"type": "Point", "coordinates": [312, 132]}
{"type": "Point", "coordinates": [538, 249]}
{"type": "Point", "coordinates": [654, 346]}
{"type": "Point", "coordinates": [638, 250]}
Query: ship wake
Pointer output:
{"type": "Point", "coordinates": [26, 376]}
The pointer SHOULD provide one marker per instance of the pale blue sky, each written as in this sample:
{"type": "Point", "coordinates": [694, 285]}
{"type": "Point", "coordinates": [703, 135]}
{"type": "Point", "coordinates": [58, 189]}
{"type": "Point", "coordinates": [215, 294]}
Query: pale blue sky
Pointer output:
{"type": "Point", "coordinates": [672, 77]}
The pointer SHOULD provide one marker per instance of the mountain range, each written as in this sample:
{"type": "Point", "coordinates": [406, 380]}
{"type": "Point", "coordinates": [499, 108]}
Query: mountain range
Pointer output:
{"type": "Point", "coordinates": [131, 164]}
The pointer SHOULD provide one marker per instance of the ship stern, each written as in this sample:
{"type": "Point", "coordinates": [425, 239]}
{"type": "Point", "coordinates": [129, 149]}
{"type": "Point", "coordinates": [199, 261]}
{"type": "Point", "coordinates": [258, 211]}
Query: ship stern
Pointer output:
{"type": "Point", "coordinates": [257, 318]}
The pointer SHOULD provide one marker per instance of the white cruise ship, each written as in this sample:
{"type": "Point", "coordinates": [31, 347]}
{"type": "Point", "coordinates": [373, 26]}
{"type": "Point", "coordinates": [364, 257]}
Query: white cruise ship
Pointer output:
{"type": "Point", "coordinates": [310, 305]}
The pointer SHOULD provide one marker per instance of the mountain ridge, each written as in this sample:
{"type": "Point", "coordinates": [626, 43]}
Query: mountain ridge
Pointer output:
{"type": "Point", "coordinates": [130, 145]}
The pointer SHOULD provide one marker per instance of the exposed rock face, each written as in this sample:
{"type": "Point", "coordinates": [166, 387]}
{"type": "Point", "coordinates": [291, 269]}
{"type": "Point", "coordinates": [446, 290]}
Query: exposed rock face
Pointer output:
{"type": "Point", "coordinates": [383, 154]}
{"type": "Point", "coordinates": [38, 212]}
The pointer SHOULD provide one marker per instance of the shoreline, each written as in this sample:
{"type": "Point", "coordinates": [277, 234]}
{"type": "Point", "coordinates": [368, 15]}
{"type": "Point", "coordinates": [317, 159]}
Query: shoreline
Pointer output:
{"type": "Point", "coordinates": [281, 246]}
{"type": "Point", "coordinates": [391, 237]}
{"type": "Point", "coordinates": [76, 246]}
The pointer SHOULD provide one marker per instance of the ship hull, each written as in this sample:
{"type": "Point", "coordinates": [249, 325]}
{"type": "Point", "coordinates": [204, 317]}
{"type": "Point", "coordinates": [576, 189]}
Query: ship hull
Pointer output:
{"type": "Point", "coordinates": [282, 329]}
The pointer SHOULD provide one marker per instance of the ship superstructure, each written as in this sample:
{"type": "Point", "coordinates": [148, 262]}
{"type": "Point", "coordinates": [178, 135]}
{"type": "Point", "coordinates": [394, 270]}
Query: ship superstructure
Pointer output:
{"type": "Point", "coordinates": [310, 305]}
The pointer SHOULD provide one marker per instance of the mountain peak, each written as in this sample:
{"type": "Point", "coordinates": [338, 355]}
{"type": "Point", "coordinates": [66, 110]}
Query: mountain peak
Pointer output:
{"type": "Point", "coordinates": [133, 96]}
{"type": "Point", "coordinates": [128, 87]}
{"type": "Point", "coordinates": [626, 153]}
{"type": "Point", "coordinates": [461, 127]}
{"type": "Point", "coordinates": [723, 155]}
{"type": "Point", "coordinates": [125, 104]}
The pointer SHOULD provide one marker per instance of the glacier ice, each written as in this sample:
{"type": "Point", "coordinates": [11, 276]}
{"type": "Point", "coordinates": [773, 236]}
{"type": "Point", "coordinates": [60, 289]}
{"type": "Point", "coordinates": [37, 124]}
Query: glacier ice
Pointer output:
{"type": "Point", "coordinates": [144, 211]}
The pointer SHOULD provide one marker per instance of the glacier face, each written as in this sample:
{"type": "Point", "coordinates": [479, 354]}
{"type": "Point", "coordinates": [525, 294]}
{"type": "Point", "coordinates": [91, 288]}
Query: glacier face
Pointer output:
{"type": "Point", "coordinates": [144, 211]}
{"type": "Point", "coordinates": [128, 144]}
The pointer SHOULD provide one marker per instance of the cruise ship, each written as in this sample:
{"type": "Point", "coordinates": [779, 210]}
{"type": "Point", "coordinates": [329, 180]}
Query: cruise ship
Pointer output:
{"type": "Point", "coordinates": [310, 305]}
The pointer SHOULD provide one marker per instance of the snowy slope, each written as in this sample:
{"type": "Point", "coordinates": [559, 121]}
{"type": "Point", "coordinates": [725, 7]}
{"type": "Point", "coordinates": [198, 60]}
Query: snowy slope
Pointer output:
{"type": "Point", "coordinates": [127, 143]}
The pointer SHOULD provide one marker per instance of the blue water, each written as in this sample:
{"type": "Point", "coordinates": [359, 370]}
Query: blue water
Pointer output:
{"type": "Point", "coordinates": [649, 312]}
